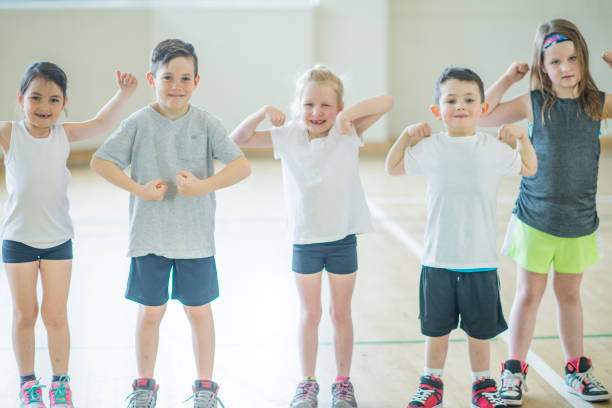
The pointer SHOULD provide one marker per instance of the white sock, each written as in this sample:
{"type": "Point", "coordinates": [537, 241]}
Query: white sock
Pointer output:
{"type": "Point", "coordinates": [480, 375]}
{"type": "Point", "coordinates": [436, 372]}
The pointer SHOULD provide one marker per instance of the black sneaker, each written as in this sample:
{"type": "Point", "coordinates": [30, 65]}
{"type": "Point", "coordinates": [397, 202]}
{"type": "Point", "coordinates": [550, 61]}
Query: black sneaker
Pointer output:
{"type": "Point", "coordinates": [581, 381]}
{"type": "Point", "coordinates": [513, 376]}
{"type": "Point", "coordinates": [429, 393]}
{"type": "Point", "coordinates": [485, 394]}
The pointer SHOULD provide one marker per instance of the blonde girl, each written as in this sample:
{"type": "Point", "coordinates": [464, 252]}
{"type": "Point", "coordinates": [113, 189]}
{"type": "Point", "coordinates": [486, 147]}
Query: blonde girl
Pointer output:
{"type": "Point", "coordinates": [319, 151]}
{"type": "Point", "coordinates": [555, 219]}
{"type": "Point", "coordinates": [37, 230]}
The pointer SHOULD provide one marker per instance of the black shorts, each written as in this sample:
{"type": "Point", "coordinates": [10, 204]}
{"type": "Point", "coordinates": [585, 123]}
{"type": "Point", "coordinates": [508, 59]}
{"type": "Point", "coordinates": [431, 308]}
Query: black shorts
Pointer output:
{"type": "Point", "coordinates": [18, 252]}
{"type": "Point", "coordinates": [446, 295]}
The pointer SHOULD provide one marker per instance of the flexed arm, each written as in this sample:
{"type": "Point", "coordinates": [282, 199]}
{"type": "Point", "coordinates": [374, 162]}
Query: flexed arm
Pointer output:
{"type": "Point", "coordinates": [189, 185]}
{"type": "Point", "coordinates": [513, 135]}
{"type": "Point", "coordinates": [513, 110]}
{"type": "Point", "coordinates": [245, 134]}
{"type": "Point", "coordinates": [364, 114]}
{"type": "Point", "coordinates": [607, 112]}
{"type": "Point", "coordinates": [108, 115]}
{"type": "Point", "coordinates": [413, 134]}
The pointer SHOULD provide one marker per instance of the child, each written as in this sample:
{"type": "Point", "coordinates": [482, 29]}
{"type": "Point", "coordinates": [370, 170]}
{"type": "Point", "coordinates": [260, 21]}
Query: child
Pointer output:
{"type": "Point", "coordinates": [555, 217]}
{"type": "Point", "coordinates": [37, 230]}
{"type": "Point", "coordinates": [459, 274]}
{"type": "Point", "coordinates": [326, 206]}
{"type": "Point", "coordinates": [170, 146]}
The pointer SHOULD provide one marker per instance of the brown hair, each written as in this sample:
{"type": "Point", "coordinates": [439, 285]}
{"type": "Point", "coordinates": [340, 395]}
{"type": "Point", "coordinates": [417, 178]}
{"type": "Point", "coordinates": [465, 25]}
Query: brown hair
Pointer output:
{"type": "Point", "coordinates": [589, 94]}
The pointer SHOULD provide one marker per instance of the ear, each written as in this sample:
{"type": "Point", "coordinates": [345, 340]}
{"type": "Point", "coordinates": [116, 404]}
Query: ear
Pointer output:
{"type": "Point", "coordinates": [485, 109]}
{"type": "Point", "coordinates": [196, 81]}
{"type": "Point", "coordinates": [151, 79]}
{"type": "Point", "coordinates": [20, 99]}
{"type": "Point", "coordinates": [341, 106]}
{"type": "Point", "coordinates": [435, 109]}
{"type": "Point", "coordinates": [65, 102]}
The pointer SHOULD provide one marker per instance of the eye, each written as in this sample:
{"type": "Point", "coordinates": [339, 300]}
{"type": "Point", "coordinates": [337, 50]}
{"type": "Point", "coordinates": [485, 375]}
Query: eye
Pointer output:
{"type": "Point", "coordinates": [166, 77]}
{"type": "Point", "coordinates": [573, 58]}
{"type": "Point", "coordinates": [55, 100]}
{"type": "Point", "coordinates": [35, 98]}
{"type": "Point", "coordinates": [310, 105]}
{"type": "Point", "coordinates": [554, 62]}
{"type": "Point", "coordinates": [326, 105]}
{"type": "Point", "coordinates": [469, 100]}
{"type": "Point", "coordinates": [450, 101]}
{"type": "Point", "coordinates": [186, 78]}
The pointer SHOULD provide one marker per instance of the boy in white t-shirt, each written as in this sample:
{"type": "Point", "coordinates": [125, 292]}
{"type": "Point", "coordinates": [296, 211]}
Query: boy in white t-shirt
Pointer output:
{"type": "Point", "coordinates": [459, 278]}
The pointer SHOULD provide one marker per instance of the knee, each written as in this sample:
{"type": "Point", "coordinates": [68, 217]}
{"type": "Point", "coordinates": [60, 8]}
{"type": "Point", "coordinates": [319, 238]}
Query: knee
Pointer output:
{"type": "Point", "coordinates": [529, 296]}
{"type": "Point", "coordinates": [152, 315]}
{"type": "Point", "coordinates": [199, 314]}
{"type": "Point", "coordinates": [312, 316]}
{"type": "Point", "coordinates": [565, 297]}
{"type": "Point", "coordinates": [25, 317]}
{"type": "Point", "coordinates": [54, 318]}
{"type": "Point", "coordinates": [340, 316]}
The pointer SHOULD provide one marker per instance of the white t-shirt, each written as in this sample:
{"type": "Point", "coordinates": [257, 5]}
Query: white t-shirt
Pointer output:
{"type": "Point", "coordinates": [463, 176]}
{"type": "Point", "coordinates": [37, 184]}
{"type": "Point", "coordinates": [323, 191]}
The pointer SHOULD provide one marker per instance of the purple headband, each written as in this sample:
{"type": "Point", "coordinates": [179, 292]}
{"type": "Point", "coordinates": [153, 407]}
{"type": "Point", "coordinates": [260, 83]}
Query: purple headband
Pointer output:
{"type": "Point", "coordinates": [553, 39]}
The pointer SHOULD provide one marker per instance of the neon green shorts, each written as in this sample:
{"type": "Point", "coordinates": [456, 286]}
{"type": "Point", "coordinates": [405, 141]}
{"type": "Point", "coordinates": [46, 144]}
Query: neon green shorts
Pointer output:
{"type": "Point", "coordinates": [535, 250]}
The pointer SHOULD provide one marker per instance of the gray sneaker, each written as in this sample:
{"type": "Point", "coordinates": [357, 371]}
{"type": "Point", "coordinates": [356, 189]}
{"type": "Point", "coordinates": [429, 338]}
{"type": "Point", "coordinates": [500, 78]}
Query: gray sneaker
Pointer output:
{"type": "Point", "coordinates": [305, 395]}
{"type": "Point", "coordinates": [144, 394]}
{"type": "Point", "coordinates": [343, 395]}
{"type": "Point", "coordinates": [205, 395]}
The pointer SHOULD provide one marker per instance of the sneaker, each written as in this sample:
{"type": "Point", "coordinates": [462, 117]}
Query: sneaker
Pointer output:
{"type": "Point", "coordinates": [30, 395]}
{"type": "Point", "coordinates": [581, 381]}
{"type": "Point", "coordinates": [485, 394]}
{"type": "Point", "coordinates": [144, 394]}
{"type": "Point", "coordinates": [429, 393]}
{"type": "Point", "coordinates": [343, 395]}
{"type": "Point", "coordinates": [205, 395]}
{"type": "Point", "coordinates": [305, 395]}
{"type": "Point", "coordinates": [513, 377]}
{"type": "Point", "coordinates": [60, 395]}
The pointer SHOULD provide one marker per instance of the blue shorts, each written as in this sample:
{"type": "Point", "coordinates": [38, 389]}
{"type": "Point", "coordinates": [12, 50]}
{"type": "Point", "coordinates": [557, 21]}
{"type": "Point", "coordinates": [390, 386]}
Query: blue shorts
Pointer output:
{"type": "Point", "coordinates": [338, 257]}
{"type": "Point", "coordinates": [194, 281]}
{"type": "Point", "coordinates": [17, 252]}
{"type": "Point", "coordinates": [446, 295]}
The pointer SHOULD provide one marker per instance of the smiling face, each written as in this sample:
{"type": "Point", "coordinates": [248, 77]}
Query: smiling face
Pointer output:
{"type": "Point", "coordinates": [460, 107]}
{"type": "Point", "coordinates": [319, 107]}
{"type": "Point", "coordinates": [42, 103]}
{"type": "Point", "coordinates": [562, 66]}
{"type": "Point", "coordinates": [174, 83]}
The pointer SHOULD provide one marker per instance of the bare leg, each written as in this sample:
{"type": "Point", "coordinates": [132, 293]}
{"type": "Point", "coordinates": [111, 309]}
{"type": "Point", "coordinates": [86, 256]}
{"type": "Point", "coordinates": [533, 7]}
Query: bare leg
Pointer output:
{"type": "Point", "coordinates": [55, 277]}
{"type": "Point", "coordinates": [480, 354]}
{"type": "Point", "coordinates": [341, 290]}
{"type": "Point", "coordinates": [569, 313]}
{"type": "Point", "coordinates": [309, 290]}
{"type": "Point", "coordinates": [22, 278]}
{"type": "Point", "coordinates": [530, 287]}
{"type": "Point", "coordinates": [147, 338]}
{"type": "Point", "coordinates": [203, 338]}
{"type": "Point", "coordinates": [436, 349]}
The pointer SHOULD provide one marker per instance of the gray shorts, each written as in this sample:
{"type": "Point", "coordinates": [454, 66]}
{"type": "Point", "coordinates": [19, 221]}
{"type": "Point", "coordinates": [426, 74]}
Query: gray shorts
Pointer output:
{"type": "Point", "coordinates": [445, 296]}
{"type": "Point", "coordinates": [194, 281]}
{"type": "Point", "coordinates": [337, 257]}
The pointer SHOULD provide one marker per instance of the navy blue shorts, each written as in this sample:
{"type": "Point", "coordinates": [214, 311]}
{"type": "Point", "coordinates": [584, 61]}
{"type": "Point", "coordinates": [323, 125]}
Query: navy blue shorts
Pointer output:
{"type": "Point", "coordinates": [194, 281]}
{"type": "Point", "coordinates": [17, 252]}
{"type": "Point", "coordinates": [338, 257]}
{"type": "Point", "coordinates": [446, 295]}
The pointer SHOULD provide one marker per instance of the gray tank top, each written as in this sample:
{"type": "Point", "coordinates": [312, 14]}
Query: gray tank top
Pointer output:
{"type": "Point", "coordinates": [560, 198]}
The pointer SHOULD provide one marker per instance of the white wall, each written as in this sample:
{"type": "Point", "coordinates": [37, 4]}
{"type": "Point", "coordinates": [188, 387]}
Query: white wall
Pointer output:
{"type": "Point", "coordinates": [486, 36]}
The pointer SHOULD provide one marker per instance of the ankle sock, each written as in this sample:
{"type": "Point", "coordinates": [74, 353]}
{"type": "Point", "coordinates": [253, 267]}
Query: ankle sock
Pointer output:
{"type": "Point", "coordinates": [25, 378]}
{"type": "Point", "coordinates": [309, 378]}
{"type": "Point", "coordinates": [434, 372]}
{"type": "Point", "coordinates": [480, 375]}
{"type": "Point", "coordinates": [341, 380]}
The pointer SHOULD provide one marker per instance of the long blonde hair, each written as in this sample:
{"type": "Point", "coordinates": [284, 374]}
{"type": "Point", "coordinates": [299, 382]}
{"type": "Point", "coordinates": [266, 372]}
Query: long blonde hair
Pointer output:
{"type": "Point", "coordinates": [320, 75]}
{"type": "Point", "coordinates": [589, 94]}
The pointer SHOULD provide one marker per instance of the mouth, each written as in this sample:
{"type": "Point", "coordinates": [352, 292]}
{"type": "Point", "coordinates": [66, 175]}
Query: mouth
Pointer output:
{"type": "Point", "coordinates": [318, 122]}
{"type": "Point", "coordinates": [461, 116]}
{"type": "Point", "coordinates": [175, 96]}
{"type": "Point", "coordinates": [567, 77]}
{"type": "Point", "coordinates": [43, 115]}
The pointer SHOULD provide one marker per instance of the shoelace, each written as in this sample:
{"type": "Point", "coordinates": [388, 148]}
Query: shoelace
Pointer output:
{"type": "Point", "coordinates": [303, 391]}
{"type": "Point", "coordinates": [58, 395]}
{"type": "Point", "coordinates": [512, 380]}
{"type": "Point", "coordinates": [423, 394]}
{"type": "Point", "coordinates": [494, 398]}
{"type": "Point", "coordinates": [141, 399]}
{"type": "Point", "coordinates": [343, 391]}
{"type": "Point", "coordinates": [205, 399]}
{"type": "Point", "coordinates": [32, 394]}
{"type": "Point", "coordinates": [593, 382]}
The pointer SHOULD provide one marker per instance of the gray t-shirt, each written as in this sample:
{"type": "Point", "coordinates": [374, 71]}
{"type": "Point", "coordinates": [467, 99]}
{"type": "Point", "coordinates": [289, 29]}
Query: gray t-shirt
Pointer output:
{"type": "Point", "coordinates": [157, 147]}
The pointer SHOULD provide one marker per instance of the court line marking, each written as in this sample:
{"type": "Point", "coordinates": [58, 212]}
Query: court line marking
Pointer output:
{"type": "Point", "coordinates": [534, 360]}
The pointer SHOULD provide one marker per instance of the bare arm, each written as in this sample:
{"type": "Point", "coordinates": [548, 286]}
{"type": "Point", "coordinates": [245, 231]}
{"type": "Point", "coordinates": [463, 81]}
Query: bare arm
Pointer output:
{"type": "Point", "coordinates": [5, 136]}
{"type": "Point", "coordinates": [364, 114]}
{"type": "Point", "coordinates": [513, 135]}
{"type": "Point", "coordinates": [108, 115]}
{"type": "Point", "coordinates": [153, 190]}
{"type": "Point", "coordinates": [245, 134]}
{"type": "Point", "coordinates": [413, 134]}
{"type": "Point", "coordinates": [607, 112]}
{"type": "Point", "coordinates": [513, 110]}
{"type": "Point", "coordinates": [232, 173]}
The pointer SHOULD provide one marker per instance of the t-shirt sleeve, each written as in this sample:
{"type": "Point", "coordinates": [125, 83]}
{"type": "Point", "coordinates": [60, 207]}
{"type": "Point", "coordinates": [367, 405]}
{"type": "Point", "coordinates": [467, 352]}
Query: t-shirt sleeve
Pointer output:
{"type": "Point", "coordinates": [223, 148]}
{"type": "Point", "coordinates": [412, 157]}
{"type": "Point", "coordinates": [509, 160]}
{"type": "Point", "coordinates": [280, 137]}
{"type": "Point", "coordinates": [118, 147]}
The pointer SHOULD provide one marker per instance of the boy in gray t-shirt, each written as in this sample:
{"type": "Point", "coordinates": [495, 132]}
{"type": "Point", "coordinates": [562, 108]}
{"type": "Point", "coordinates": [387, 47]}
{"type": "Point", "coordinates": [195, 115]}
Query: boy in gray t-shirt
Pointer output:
{"type": "Point", "coordinates": [170, 146]}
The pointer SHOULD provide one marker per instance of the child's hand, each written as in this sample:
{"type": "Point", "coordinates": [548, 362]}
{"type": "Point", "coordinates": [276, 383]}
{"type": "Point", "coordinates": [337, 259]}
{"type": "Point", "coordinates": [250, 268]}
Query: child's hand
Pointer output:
{"type": "Point", "coordinates": [154, 190]}
{"type": "Point", "coordinates": [274, 116]}
{"type": "Point", "coordinates": [417, 132]}
{"type": "Point", "coordinates": [343, 124]}
{"type": "Point", "coordinates": [607, 57]}
{"type": "Point", "coordinates": [517, 71]}
{"type": "Point", "coordinates": [126, 81]}
{"type": "Point", "coordinates": [188, 184]}
{"type": "Point", "coordinates": [509, 134]}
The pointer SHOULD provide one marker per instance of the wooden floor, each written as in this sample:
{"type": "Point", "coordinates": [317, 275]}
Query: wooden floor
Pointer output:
{"type": "Point", "coordinates": [256, 315]}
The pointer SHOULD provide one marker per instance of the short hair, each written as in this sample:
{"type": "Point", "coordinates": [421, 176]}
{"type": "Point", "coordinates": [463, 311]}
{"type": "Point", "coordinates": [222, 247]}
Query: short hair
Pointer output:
{"type": "Point", "coordinates": [460, 74]}
{"type": "Point", "coordinates": [170, 49]}
{"type": "Point", "coordinates": [46, 70]}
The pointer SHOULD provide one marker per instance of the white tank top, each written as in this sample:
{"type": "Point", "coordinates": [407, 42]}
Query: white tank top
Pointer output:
{"type": "Point", "coordinates": [37, 184]}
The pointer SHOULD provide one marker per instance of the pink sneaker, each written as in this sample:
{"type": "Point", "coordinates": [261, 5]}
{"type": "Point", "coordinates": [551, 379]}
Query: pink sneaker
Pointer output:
{"type": "Point", "coordinates": [30, 395]}
{"type": "Point", "coordinates": [60, 395]}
